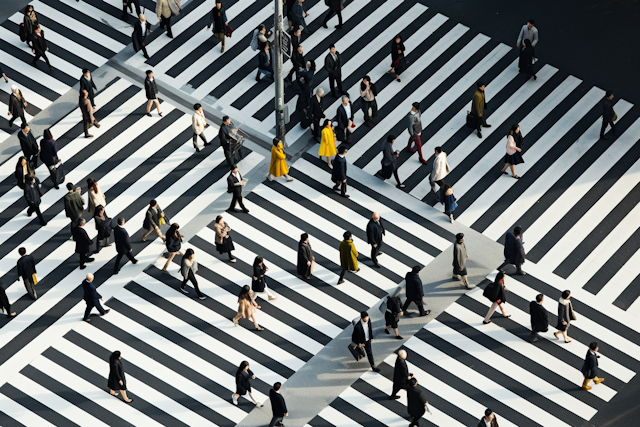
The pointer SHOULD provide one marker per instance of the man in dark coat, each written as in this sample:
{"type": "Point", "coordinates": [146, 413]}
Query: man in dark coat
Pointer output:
{"type": "Point", "coordinates": [151, 91]}
{"type": "Point", "coordinates": [335, 6]}
{"type": "Point", "coordinates": [86, 83]}
{"type": "Point", "coordinates": [317, 113]}
{"type": "Point", "coordinates": [278, 406]}
{"type": "Point", "coordinates": [416, 402]}
{"type": "Point", "coordinates": [39, 48]}
{"type": "Point", "coordinates": [29, 145]}
{"type": "Point", "coordinates": [234, 186]}
{"type": "Point", "coordinates": [92, 298]}
{"type": "Point", "coordinates": [334, 68]}
{"type": "Point", "coordinates": [228, 136]}
{"type": "Point", "coordinates": [26, 269]}
{"type": "Point", "coordinates": [140, 31]}
{"type": "Point", "coordinates": [539, 318]}
{"type": "Point", "coordinates": [32, 196]}
{"type": "Point", "coordinates": [375, 231]}
{"type": "Point", "coordinates": [590, 367]}
{"type": "Point", "coordinates": [460, 260]}
{"type": "Point", "coordinates": [344, 117]}
{"type": "Point", "coordinates": [607, 115]}
{"type": "Point", "coordinates": [123, 245]}
{"type": "Point", "coordinates": [401, 375]}
{"type": "Point", "coordinates": [514, 250]}
{"type": "Point", "coordinates": [363, 337]}
{"type": "Point", "coordinates": [489, 417]}
{"type": "Point", "coordinates": [73, 204]}
{"type": "Point", "coordinates": [415, 293]}
{"type": "Point", "coordinates": [305, 257]}
{"type": "Point", "coordinates": [339, 172]}
{"type": "Point", "coordinates": [17, 104]}
{"type": "Point", "coordinates": [218, 19]}
{"type": "Point", "coordinates": [5, 304]}
{"type": "Point", "coordinates": [390, 161]}
{"type": "Point", "coordinates": [265, 66]}
{"type": "Point", "coordinates": [297, 61]}
{"type": "Point", "coordinates": [83, 243]}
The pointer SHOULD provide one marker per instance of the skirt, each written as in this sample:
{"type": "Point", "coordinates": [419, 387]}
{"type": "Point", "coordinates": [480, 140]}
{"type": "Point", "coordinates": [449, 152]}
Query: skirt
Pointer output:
{"type": "Point", "coordinates": [563, 328]}
{"type": "Point", "coordinates": [391, 320]}
{"type": "Point", "coordinates": [513, 159]}
{"type": "Point", "coordinates": [225, 246]}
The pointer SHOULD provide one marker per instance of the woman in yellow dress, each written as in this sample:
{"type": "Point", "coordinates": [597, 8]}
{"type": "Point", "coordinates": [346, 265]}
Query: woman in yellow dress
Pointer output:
{"type": "Point", "coordinates": [327, 143]}
{"type": "Point", "coordinates": [278, 166]}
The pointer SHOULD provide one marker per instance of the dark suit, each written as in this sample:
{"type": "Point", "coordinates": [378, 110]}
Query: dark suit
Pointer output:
{"type": "Point", "coordinates": [375, 231]}
{"type": "Point", "coordinates": [358, 337]}
{"type": "Point", "coordinates": [49, 152]}
{"type": "Point", "coordinates": [607, 117]}
{"type": "Point", "coordinates": [339, 174]}
{"type": "Point", "coordinates": [83, 243]}
{"type": "Point", "coordinates": [514, 251]}
{"type": "Point", "coordinates": [335, 6]}
{"type": "Point", "coordinates": [334, 68]}
{"type": "Point", "coordinates": [138, 36]}
{"type": "Point", "coordinates": [539, 319]}
{"type": "Point", "coordinates": [400, 376]}
{"type": "Point", "coordinates": [494, 422]}
{"type": "Point", "coordinates": [415, 404]}
{"type": "Point", "coordinates": [415, 293]}
{"type": "Point", "coordinates": [224, 134]}
{"type": "Point", "coordinates": [29, 148]}
{"type": "Point", "coordinates": [297, 62]}
{"type": "Point", "coordinates": [150, 88]}
{"type": "Point", "coordinates": [343, 122]}
{"type": "Point", "coordinates": [73, 207]}
{"type": "Point", "coordinates": [26, 269]}
{"type": "Point", "coordinates": [590, 366]}
{"type": "Point", "coordinates": [16, 107]}
{"type": "Point", "coordinates": [235, 187]}
{"type": "Point", "coordinates": [92, 298]}
{"type": "Point", "coordinates": [90, 87]}
{"type": "Point", "coordinates": [317, 114]}
{"type": "Point", "coordinates": [123, 247]}
{"type": "Point", "coordinates": [39, 44]}
{"type": "Point", "coordinates": [278, 407]}
{"type": "Point", "coordinates": [32, 196]}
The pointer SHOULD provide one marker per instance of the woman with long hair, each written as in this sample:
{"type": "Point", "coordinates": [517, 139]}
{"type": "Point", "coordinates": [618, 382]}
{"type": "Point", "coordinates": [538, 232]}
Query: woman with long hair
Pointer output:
{"type": "Point", "coordinates": [96, 196]}
{"type": "Point", "coordinates": [244, 375]}
{"type": "Point", "coordinates": [368, 94]}
{"type": "Point", "coordinates": [49, 154]}
{"type": "Point", "coordinates": [23, 169]}
{"type": "Point", "coordinates": [259, 280]}
{"type": "Point", "coordinates": [173, 243]}
{"type": "Point", "coordinates": [397, 54]}
{"type": "Point", "coordinates": [117, 382]}
{"type": "Point", "coordinates": [247, 307]}
{"type": "Point", "coordinates": [103, 226]}
{"type": "Point", "coordinates": [224, 243]}
{"type": "Point", "coordinates": [497, 295]}
{"type": "Point", "coordinates": [513, 156]}
{"type": "Point", "coordinates": [565, 315]}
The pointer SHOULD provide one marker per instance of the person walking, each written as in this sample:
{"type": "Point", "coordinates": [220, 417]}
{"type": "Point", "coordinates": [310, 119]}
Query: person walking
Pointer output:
{"type": "Point", "coordinates": [333, 65]}
{"type": "Point", "coordinates": [103, 227]}
{"type": "Point", "coordinates": [375, 233]}
{"type": "Point", "coordinates": [17, 104]}
{"type": "Point", "coordinates": [199, 123]}
{"type": "Point", "coordinates": [345, 120]}
{"type": "Point", "coordinates": [565, 315]}
{"type": "Point", "coordinates": [489, 419]}
{"type": "Point", "coordinates": [83, 242]}
{"type": "Point", "coordinates": [335, 7]}
{"type": "Point", "coordinates": [590, 367]}
{"type": "Point", "coordinates": [305, 257]}
{"type": "Point", "coordinates": [514, 250]}
{"type": "Point", "coordinates": [224, 243]}
{"type": "Point", "coordinates": [96, 197]}
{"type": "Point", "coordinates": [23, 170]}
{"type": "Point", "coordinates": [165, 9]}
{"type": "Point", "coordinates": [49, 155]}
{"type": "Point", "coordinates": [513, 156]}
{"type": "Point", "coordinates": [73, 204]}
{"type": "Point", "coordinates": [414, 291]}
{"type": "Point", "coordinates": [265, 66]}
{"type": "Point", "coordinates": [30, 22]}
{"type": "Point", "coordinates": [116, 380]}
{"type": "Point", "coordinates": [339, 172]}
{"type": "Point", "coordinates": [401, 375]}
{"type": "Point", "coordinates": [173, 243]}
{"type": "Point", "coordinates": [29, 145]}
{"type": "Point", "coordinates": [218, 18]}
{"type": "Point", "coordinates": [416, 402]}
{"type": "Point", "coordinates": [228, 135]}
{"type": "Point", "coordinates": [235, 182]}
{"type": "Point", "coordinates": [392, 315]}
{"type": "Point", "coordinates": [39, 48]}
{"type": "Point", "coordinates": [153, 220]}
{"type": "Point", "coordinates": [608, 115]}
{"type": "Point", "coordinates": [247, 309]}
{"type": "Point", "coordinates": [348, 256]}
{"type": "Point", "coordinates": [5, 304]}
{"type": "Point", "coordinates": [123, 245]}
{"type": "Point", "coordinates": [32, 196]}
{"type": "Point", "coordinates": [259, 280]}
{"type": "Point", "coordinates": [528, 32]}
{"type": "Point", "coordinates": [3, 75]}
{"type": "Point", "coordinates": [497, 294]}
{"type": "Point", "coordinates": [259, 37]}
{"type": "Point", "coordinates": [151, 90]}
{"type": "Point", "coordinates": [140, 31]}
{"type": "Point", "coordinates": [439, 172]}
{"type": "Point", "coordinates": [362, 336]}
{"type": "Point", "coordinates": [450, 202]}
{"type": "Point", "coordinates": [478, 107]}
{"type": "Point", "coordinates": [539, 318]}
{"type": "Point", "coordinates": [328, 143]}
{"type": "Point", "coordinates": [460, 257]}
{"type": "Point", "coordinates": [527, 59]}
{"type": "Point", "coordinates": [92, 298]}
{"type": "Point", "coordinates": [317, 114]}
{"type": "Point", "coordinates": [244, 375]}
{"type": "Point", "coordinates": [278, 406]}
{"type": "Point", "coordinates": [278, 166]}
{"type": "Point", "coordinates": [397, 52]}
{"type": "Point", "coordinates": [26, 266]}
{"type": "Point", "coordinates": [414, 126]}
{"type": "Point", "coordinates": [130, 4]}
{"type": "Point", "coordinates": [87, 113]}
{"type": "Point", "coordinates": [189, 268]}
{"type": "Point", "coordinates": [368, 93]}
{"type": "Point", "coordinates": [86, 83]}
{"type": "Point", "coordinates": [297, 63]}
{"type": "Point", "coordinates": [297, 16]}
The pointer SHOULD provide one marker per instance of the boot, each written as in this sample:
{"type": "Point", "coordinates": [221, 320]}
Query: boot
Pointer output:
{"type": "Point", "coordinates": [598, 380]}
{"type": "Point", "coordinates": [584, 384]}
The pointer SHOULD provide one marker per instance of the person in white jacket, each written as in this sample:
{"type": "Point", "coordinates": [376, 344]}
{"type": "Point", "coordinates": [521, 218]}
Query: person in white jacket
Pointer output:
{"type": "Point", "coordinates": [439, 172]}
{"type": "Point", "coordinates": [199, 123]}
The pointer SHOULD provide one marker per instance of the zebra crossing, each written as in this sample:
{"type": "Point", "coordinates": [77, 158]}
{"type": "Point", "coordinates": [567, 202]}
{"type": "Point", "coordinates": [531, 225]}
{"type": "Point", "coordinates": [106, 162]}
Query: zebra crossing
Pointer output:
{"type": "Point", "coordinates": [464, 366]}
{"type": "Point", "coordinates": [181, 354]}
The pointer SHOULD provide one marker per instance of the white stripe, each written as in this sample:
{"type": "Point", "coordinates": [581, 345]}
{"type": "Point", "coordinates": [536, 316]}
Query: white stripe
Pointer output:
{"type": "Point", "coordinates": [376, 410]}
{"type": "Point", "coordinates": [337, 418]}
{"type": "Point", "coordinates": [619, 282]}
{"type": "Point", "coordinates": [36, 74]}
{"type": "Point", "coordinates": [98, 15]}
{"type": "Point", "coordinates": [22, 414]}
{"type": "Point", "coordinates": [148, 12]}
{"type": "Point", "coordinates": [33, 98]}
{"type": "Point", "coordinates": [5, 107]}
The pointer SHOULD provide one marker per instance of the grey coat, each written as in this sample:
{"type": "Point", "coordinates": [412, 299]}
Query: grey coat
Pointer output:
{"type": "Point", "coordinates": [460, 259]}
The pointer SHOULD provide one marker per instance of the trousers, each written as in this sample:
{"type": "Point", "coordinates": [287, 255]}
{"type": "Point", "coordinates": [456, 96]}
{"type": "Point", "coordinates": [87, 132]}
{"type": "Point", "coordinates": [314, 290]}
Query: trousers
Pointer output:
{"type": "Point", "coordinates": [30, 286]}
{"type": "Point", "coordinates": [276, 421]}
{"type": "Point", "coordinates": [604, 126]}
{"type": "Point", "coordinates": [191, 277]}
{"type": "Point", "coordinates": [35, 208]}
{"type": "Point", "coordinates": [343, 187]}
{"type": "Point", "coordinates": [419, 303]}
{"type": "Point", "coordinates": [90, 304]}
{"type": "Point", "coordinates": [374, 253]}
{"type": "Point", "coordinates": [237, 199]}
{"type": "Point", "coordinates": [116, 267]}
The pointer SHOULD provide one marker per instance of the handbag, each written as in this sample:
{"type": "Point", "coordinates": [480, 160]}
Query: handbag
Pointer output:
{"type": "Point", "coordinates": [161, 221]}
{"type": "Point", "coordinates": [615, 117]}
{"type": "Point", "coordinates": [471, 120]}
{"type": "Point", "coordinates": [34, 278]}
{"type": "Point", "coordinates": [175, 9]}
{"type": "Point", "coordinates": [228, 31]}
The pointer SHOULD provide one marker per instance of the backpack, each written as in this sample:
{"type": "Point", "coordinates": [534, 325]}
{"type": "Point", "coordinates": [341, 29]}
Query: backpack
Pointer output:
{"type": "Point", "coordinates": [488, 292]}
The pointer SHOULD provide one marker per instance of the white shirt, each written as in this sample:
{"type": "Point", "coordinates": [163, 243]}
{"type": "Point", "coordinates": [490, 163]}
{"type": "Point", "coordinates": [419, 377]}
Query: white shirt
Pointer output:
{"type": "Point", "coordinates": [486, 421]}
{"type": "Point", "coordinates": [347, 109]}
{"type": "Point", "coordinates": [365, 326]}
{"type": "Point", "coordinates": [237, 176]}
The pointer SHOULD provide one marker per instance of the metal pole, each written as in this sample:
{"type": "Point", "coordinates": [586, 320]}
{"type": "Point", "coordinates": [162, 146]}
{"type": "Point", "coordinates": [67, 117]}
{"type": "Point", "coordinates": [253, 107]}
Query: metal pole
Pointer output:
{"type": "Point", "coordinates": [277, 68]}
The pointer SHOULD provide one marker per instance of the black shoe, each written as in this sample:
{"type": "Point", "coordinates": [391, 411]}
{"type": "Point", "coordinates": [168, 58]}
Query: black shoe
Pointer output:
{"type": "Point", "coordinates": [82, 267]}
{"type": "Point", "coordinates": [394, 397]}
{"type": "Point", "coordinates": [245, 210]}
{"type": "Point", "coordinates": [345, 195]}
{"type": "Point", "coordinates": [486, 126]}
{"type": "Point", "coordinates": [398, 337]}
{"type": "Point", "coordinates": [184, 290]}
{"type": "Point", "coordinates": [380, 253]}
{"type": "Point", "coordinates": [386, 331]}
{"type": "Point", "coordinates": [116, 272]}
{"type": "Point", "coordinates": [338, 27]}
{"type": "Point", "coordinates": [90, 260]}
{"type": "Point", "coordinates": [324, 24]}
{"type": "Point", "coordinates": [479, 134]}
{"type": "Point", "coordinates": [376, 265]}
{"type": "Point", "coordinates": [341, 281]}
{"type": "Point", "coordinates": [106, 312]}
{"type": "Point", "coordinates": [534, 339]}
{"type": "Point", "coordinates": [135, 261]}
{"type": "Point", "coordinates": [604, 137]}
{"type": "Point", "coordinates": [148, 114]}
{"type": "Point", "coordinates": [202, 297]}
{"type": "Point", "coordinates": [374, 369]}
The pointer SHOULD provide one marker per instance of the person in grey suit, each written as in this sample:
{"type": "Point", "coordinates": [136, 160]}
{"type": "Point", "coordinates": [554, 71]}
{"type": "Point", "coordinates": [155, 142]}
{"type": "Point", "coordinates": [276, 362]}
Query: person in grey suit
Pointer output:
{"type": "Point", "coordinates": [234, 186]}
{"type": "Point", "coordinates": [92, 298]}
{"type": "Point", "coordinates": [26, 269]}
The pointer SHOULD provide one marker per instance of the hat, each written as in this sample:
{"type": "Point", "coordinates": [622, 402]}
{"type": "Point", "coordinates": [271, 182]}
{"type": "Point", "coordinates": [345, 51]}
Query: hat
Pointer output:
{"type": "Point", "coordinates": [459, 236]}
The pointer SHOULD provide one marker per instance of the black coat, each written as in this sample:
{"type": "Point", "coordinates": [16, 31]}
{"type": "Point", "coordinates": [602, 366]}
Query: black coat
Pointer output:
{"type": "Point", "coordinates": [590, 366]}
{"type": "Point", "coordinates": [116, 374]}
{"type": "Point", "coordinates": [38, 43]}
{"type": "Point", "coordinates": [539, 316]}
{"type": "Point", "coordinates": [305, 254]}
{"type": "Point", "coordinates": [233, 185]}
{"type": "Point", "coordinates": [243, 381]}
{"type": "Point", "coordinates": [32, 194]}
{"type": "Point", "coordinates": [20, 176]}
{"type": "Point", "coordinates": [513, 249]}
{"type": "Point", "coordinates": [173, 243]}
{"type": "Point", "coordinates": [258, 284]}
{"type": "Point", "coordinates": [498, 293]}
{"type": "Point", "coordinates": [525, 62]}
{"type": "Point", "coordinates": [103, 226]}
{"type": "Point", "coordinates": [375, 231]}
{"type": "Point", "coordinates": [123, 245]}
{"type": "Point", "coordinates": [400, 373]}
{"type": "Point", "coordinates": [278, 407]}
{"type": "Point", "coordinates": [335, 5]}
{"type": "Point", "coordinates": [394, 50]}
{"type": "Point", "coordinates": [138, 35]}
{"type": "Point", "coordinates": [343, 119]}
{"type": "Point", "coordinates": [49, 152]}
{"type": "Point", "coordinates": [88, 85]}
{"type": "Point", "coordinates": [414, 286]}
{"type": "Point", "coordinates": [90, 293]}
{"type": "Point", "coordinates": [217, 18]}
{"type": "Point", "coordinates": [358, 332]}
{"type": "Point", "coordinates": [298, 61]}
{"type": "Point", "coordinates": [339, 171]}
{"type": "Point", "coordinates": [415, 401]}
{"type": "Point", "coordinates": [607, 110]}
{"type": "Point", "coordinates": [317, 112]}
{"type": "Point", "coordinates": [28, 144]}
{"type": "Point", "coordinates": [334, 68]}
{"type": "Point", "coordinates": [150, 88]}
{"type": "Point", "coordinates": [264, 61]}
{"type": "Point", "coordinates": [83, 242]}
{"type": "Point", "coordinates": [26, 266]}
{"type": "Point", "coordinates": [16, 106]}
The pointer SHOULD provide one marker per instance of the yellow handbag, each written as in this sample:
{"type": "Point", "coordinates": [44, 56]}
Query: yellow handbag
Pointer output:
{"type": "Point", "coordinates": [161, 221]}
{"type": "Point", "coordinates": [34, 278]}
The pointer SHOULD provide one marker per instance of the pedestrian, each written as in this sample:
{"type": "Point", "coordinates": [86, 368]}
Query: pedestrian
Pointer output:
{"type": "Point", "coordinates": [345, 120]}
{"type": "Point", "coordinates": [165, 9]}
{"type": "Point", "coordinates": [96, 197]}
{"type": "Point", "coordinates": [333, 65]}
{"type": "Point", "coordinates": [130, 4]}
{"type": "Point", "coordinates": [528, 32]}
{"type": "Point", "coordinates": [305, 257]}
{"type": "Point", "coordinates": [397, 52]}
{"type": "Point", "coordinates": [86, 83]}
{"type": "Point", "coordinates": [489, 419]}
{"type": "Point", "coordinates": [539, 318]}
{"type": "Point", "coordinates": [527, 59]}
{"type": "Point", "coordinates": [513, 156]}
{"type": "Point", "coordinates": [460, 257]}
{"type": "Point", "coordinates": [514, 250]}
{"type": "Point", "coordinates": [259, 280]}
{"type": "Point", "coordinates": [339, 172]}
{"type": "Point", "coordinates": [297, 63]}
{"type": "Point", "coordinates": [363, 337]}
{"type": "Point", "coordinates": [83, 243]}
{"type": "Point", "coordinates": [218, 19]}
{"type": "Point", "coordinates": [439, 172]}
{"type": "Point", "coordinates": [151, 90]}
{"type": "Point", "coordinates": [608, 115]}
{"type": "Point", "coordinates": [368, 93]}
{"type": "Point", "coordinates": [297, 16]}
{"type": "Point", "coordinates": [103, 227]}
{"type": "Point", "coordinates": [224, 243]}
{"type": "Point", "coordinates": [235, 182]}
{"type": "Point", "coordinates": [244, 375]}
{"type": "Point", "coordinates": [173, 243]}
{"type": "Point", "coordinates": [189, 268]}
{"type": "Point", "coordinates": [392, 315]}
{"type": "Point", "coordinates": [278, 406]}
{"type": "Point", "coordinates": [199, 123]}
{"type": "Point", "coordinates": [3, 75]}
{"type": "Point", "coordinates": [17, 104]}
{"type": "Point", "coordinates": [416, 402]}
{"type": "Point", "coordinates": [348, 256]}
{"type": "Point", "coordinates": [30, 23]}
{"type": "Point", "coordinates": [32, 196]}
{"type": "Point", "coordinates": [259, 38]}
{"type": "Point", "coordinates": [116, 381]}
{"type": "Point", "coordinates": [87, 113]}
{"type": "Point", "coordinates": [317, 114]}
{"type": "Point", "coordinates": [49, 155]}
{"type": "Point", "coordinates": [27, 271]}
{"type": "Point", "coordinates": [390, 161]}
{"type": "Point", "coordinates": [327, 143]}
{"type": "Point", "coordinates": [478, 107]}
{"type": "Point", "coordinates": [335, 7]}
{"type": "Point", "coordinates": [450, 202]}
{"type": "Point", "coordinates": [73, 204]}
{"type": "Point", "coordinates": [229, 140]}
{"type": "Point", "coordinates": [140, 31]}
{"type": "Point", "coordinates": [278, 166]}
{"type": "Point", "coordinates": [375, 233]}
{"type": "Point", "coordinates": [29, 145]}
{"type": "Point", "coordinates": [265, 65]}
{"type": "Point", "coordinates": [590, 367]}
{"type": "Point", "coordinates": [497, 294]}
{"type": "Point", "coordinates": [92, 298]}
{"type": "Point", "coordinates": [565, 315]}
{"type": "Point", "coordinates": [153, 220]}
{"type": "Point", "coordinates": [123, 245]}
{"type": "Point", "coordinates": [296, 36]}
{"type": "Point", "coordinates": [401, 375]}
{"type": "Point", "coordinates": [5, 304]}
{"type": "Point", "coordinates": [414, 126]}
{"type": "Point", "coordinates": [23, 170]}
{"type": "Point", "coordinates": [414, 291]}
{"type": "Point", "coordinates": [39, 48]}
{"type": "Point", "coordinates": [247, 309]}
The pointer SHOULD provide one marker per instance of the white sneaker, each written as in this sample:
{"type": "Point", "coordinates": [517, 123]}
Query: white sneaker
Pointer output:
{"type": "Point", "coordinates": [233, 398]}
{"type": "Point", "coordinates": [451, 218]}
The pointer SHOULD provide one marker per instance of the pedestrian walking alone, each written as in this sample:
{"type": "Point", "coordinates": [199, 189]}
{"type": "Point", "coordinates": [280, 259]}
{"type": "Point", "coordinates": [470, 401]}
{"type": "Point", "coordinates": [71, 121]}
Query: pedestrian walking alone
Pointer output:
{"type": "Point", "coordinates": [363, 337]}
{"type": "Point", "coordinates": [153, 220]}
{"type": "Point", "coordinates": [123, 245]}
{"type": "Point", "coordinates": [151, 90]}
{"type": "Point", "coordinates": [327, 143]}
{"type": "Point", "coordinates": [218, 19]}
{"type": "Point", "coordinates": [224, 243]}
{"type": "Point", "coordinates": [339, 172]}
{"type": "Point", "coordinates": [87, 113]}
{"type": "Point", "coordinates": [92, 298]}
{"type": "Point", "coordinates": [228, 136]}
{"type": "Point", "coordinates": [173, 243]}
{"type": "Point", "coordinates": [189, 268]}
{"type": "Point", "coordinates": [116, 381]}
{"type": "Point", "coordinates": [527, 59]}
{"type": "Point", "coordinates": [165, 9]}
{"type": "Point", "coordinates": [39, 48]}
{"type": "Point", "coordinates": [489, 419]}
{"type": "Point", "coordinates": [95, 195]}
{"type": "Point", "coordinates": [414, 291]}
{"type": "Point", "coordinates": [590, 367]}
{"type": "Point", "coordinates": [528, 32]}
{"type": "Point", "coordinates": [539, 318]}
{"type": "Point", "coordinates": [244, 375]}
{"type": "Point", "coordinates": [401, 375]}
{"type": "Point", "coordinates": [103, 227]}
{"type": "Point", "coordinates": [259, 280]}
{"type": "Point", "coordinates": [397, 54]}
{"type": "Point", "coordinates": [199, 123]}
{"type": "Point", "coordinates": [49, 155]}
{"type": "Point", "coordinates": [278, 406]}
{"type": "Point", "coordinates": [140, 31]}
{"type": "Point", "coordinates": [375, 233]}
{"type": "Point", "coordinates": [450, 202]}
{"type": "Point", "coordinates": [390, 161]}
{"type": "Point", "coordinates": [348, 256]}
{"type": "Point", "coordinates": [414, 126]}
{"type": "Point", "coordinates": [32, 197]}
{"type": "Point", "coordinates": [513, 156]}
{"type": "Point", "coordinates": [247, 308]}
{"type": "Point", "coordinates": [478, 107]}
{"type": "Point", "coordinates": [460, 257]}
{"type": "Point", "coordinates": [368, 93]}
{"type": "Point", "coordinates": [26, 266]}
{"type": "Point", "coordinates": [333, 65]}
{"type": "Point", "coordinates": [345, 120]}
{"type": "Point", "coordinates": [278, 166]}
{"type": "Point", "coordinates": [86, 83]}
{"type": "Point", "coordinates": [29, 146]}
{"type": "Point", "coordinates": [17, 104]}
{"type": "Point", "coordinates": [565, 315]}
{"type": "Point", "coordinates": [392, 315]}
{"type": "Point", "coordinates": [439, 172]}
{"type": "Point", "coordinates": [83, 243]}
{"type": "Point", "coordinates": [335, 7]}
{"type": "Point", "coordinates": [608, 115]}
{"type": "Point", "coordinates": [235, 183]}
{"type": "Point", "coordinates": [5, 304]}
{"type": "Point", "coordinates": [514, 250]}
{"type": "Point", "coordinates": [416, 402]}
{"type": "Point", "coordinates": [496, 292]}
{"type": "Point", "coordinates": [305, 257]}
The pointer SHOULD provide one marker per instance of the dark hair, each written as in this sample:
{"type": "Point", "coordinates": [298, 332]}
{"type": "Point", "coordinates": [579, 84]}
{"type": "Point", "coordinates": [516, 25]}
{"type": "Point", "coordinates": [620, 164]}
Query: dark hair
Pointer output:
{"type": "Point", "coordinates": [513, 129]}
{"type": "Point", "coordinates": [244, 363]}
{"type": "Point", "coordinates": [398, 36]}
{"type": "Point", "coordinates": [277, 386]}
{"type": "Point", "coordinates": [608, 93]}
{"type": "Point", "coordinates": [363, 314]}
{"type": "Point", "coordinates": [531, 21]}
{"type": "Point", "coordinates": [26, 9]}
{"type": "Point", "coordinates": [565, 294]}
{"type": "Point", "coordinates": [98, 209]}
{"type": "Point", "coordinates": [114, 356]}
{"type": "Point", "coordinates": [234, 167]}
{"type": "Point", "coordinates": [391, 138]}
{"type": "Point", "coordinates": [313, 65]}
{"type": "Point", "coordinates": [499, 276]}
{"type": "Point", "coordinates": [346, 235]}
{"type": "Point", "coordinates": [459, 236]}
{"type": "Point", "coordinates": [28, 179]}
{"type": "Point", "coordinates": [188, 253]}
{"type": "Point", "coordinates": [416, 269]}
{"type": "Point", "coordinates": [326, 122]}
{"type": "Point", "coordinates": [22, 251]}
{"type": "Point", "coordinates": [527, 43]}
{"type": "Point", "coordinates": [152, 203]}
{"type": "Point", "coordinates": [225, 118]}
{"type": "Point", "coordinates": [342, 149]}
{"type": "Point", "coordinates": [120, 220]}
{"type": "Point", "coordinates": [413, 382]}
{"type": "Point", "coordinates": [69, 186]}
{"type": "Point", "coordinates": [593, 346]}
{"type": "Point", "coordinates": [275, 141]}
{"type": "Point", "coordinates": [487, 412]}
{"type": "Point", "coordinates": [362, 86]}
{"type": "Point", "coordinates": [218, 218]}
{"type": "Point", "coordinates": [303, 237]}
{"type": "Point", "coordinates": [539, 297]}
{"type": "Point", "coordinates": [438, 149]}
{"type": "Point", "coordinates": [24, 125]}
{"type": "Point", "coordinates": [149, 72]}
{"type": "Point", "coordinates": [20, 162]}
{"type": "Point", "coordinates": [260, 28]}
{"type": "Point", "coordinates": [257, 261]}
{"type": "Point", "coordinates": [517, 230]}
{"type": "Point", "coordinates": [47, 134]}
{"type": "Point", "coordinates": [332, 46]}
{"type": "Point", "coordinates": [83, 221]}
{"type": "Point", "coordinates": [85, 70]}
{"type": "Point", "coordinates": [479, 84]}
{"type": "Point", "coordinates": [196, 107]}
{"type": "Point", "coordinates": [173, 230]}
{"type": "Point", "coordinates": [416, 105]}
{"type": "Point", "coordinates": [92, 185]}
{"type": "Point", "coordinates": [244, 292]}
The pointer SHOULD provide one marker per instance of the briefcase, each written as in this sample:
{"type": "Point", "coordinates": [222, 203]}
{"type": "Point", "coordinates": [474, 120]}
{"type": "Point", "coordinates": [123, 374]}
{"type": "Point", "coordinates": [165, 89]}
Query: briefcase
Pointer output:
{"type": "Point", "coordinates": [471, 120]}
{"type": "Point", "coordinates": [356, 351]}
{"type": "Point", "coordinates": [57, 173]}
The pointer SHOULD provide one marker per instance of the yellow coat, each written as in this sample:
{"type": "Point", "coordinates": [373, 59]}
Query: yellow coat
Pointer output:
{"type": "Point", "coordinates": [327, 143]}
{"type": "Point", "coordinates": [278, 165]}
